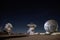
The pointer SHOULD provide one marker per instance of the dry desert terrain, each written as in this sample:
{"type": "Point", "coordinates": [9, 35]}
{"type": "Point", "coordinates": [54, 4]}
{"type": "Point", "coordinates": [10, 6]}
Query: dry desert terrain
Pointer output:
{"type": "Point", "coordinates": [35, 37]}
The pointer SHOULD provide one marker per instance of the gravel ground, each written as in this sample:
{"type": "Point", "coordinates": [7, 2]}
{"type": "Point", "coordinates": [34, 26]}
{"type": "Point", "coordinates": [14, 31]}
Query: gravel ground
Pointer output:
{"type": "Point", "coordinates": [36, 37]}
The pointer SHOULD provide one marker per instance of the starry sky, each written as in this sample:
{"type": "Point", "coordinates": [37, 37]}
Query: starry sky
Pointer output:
{"type": "Point", "coordinates": [19, 14]}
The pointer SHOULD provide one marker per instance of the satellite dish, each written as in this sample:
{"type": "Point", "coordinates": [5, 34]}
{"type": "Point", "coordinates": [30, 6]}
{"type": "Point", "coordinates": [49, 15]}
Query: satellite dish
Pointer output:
{"type": "Point", "coordinates": [51, 26]}
{"type": "Point", "coordinates": [31, 28]}
{"type": "Point", "coordinates": [8, 27]}
{"type": "Point", "coordinates": [31, 25]}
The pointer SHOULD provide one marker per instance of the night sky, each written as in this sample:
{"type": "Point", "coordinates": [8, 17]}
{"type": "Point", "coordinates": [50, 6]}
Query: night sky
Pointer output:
{"type": "Point", "coordinates": [19, 14]}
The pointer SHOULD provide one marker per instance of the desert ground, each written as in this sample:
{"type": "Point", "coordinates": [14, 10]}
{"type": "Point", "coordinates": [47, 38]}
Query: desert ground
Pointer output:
{"type": "Point", "coordinates": [34, 37]}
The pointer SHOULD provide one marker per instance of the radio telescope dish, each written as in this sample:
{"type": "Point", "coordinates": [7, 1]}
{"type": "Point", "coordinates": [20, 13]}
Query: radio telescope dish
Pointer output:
{"type": "Point", "coordinates": [8, 27]}
{"type": "Point", "coordinates": [51, 26]}
{"type": "Point", "coordinates": [31, 29]}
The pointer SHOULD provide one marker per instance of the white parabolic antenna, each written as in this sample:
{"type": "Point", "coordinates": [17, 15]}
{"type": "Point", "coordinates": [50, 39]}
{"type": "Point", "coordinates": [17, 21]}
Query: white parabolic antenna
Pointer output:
{"type": "Point", "coordinates": [8, 27]}
{"type": "Point", "coordinates": [51, 26]}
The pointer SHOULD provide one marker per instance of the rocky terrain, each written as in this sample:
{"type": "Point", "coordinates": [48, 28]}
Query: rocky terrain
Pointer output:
{"type": "Point", "coordinates": [34, 37]}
